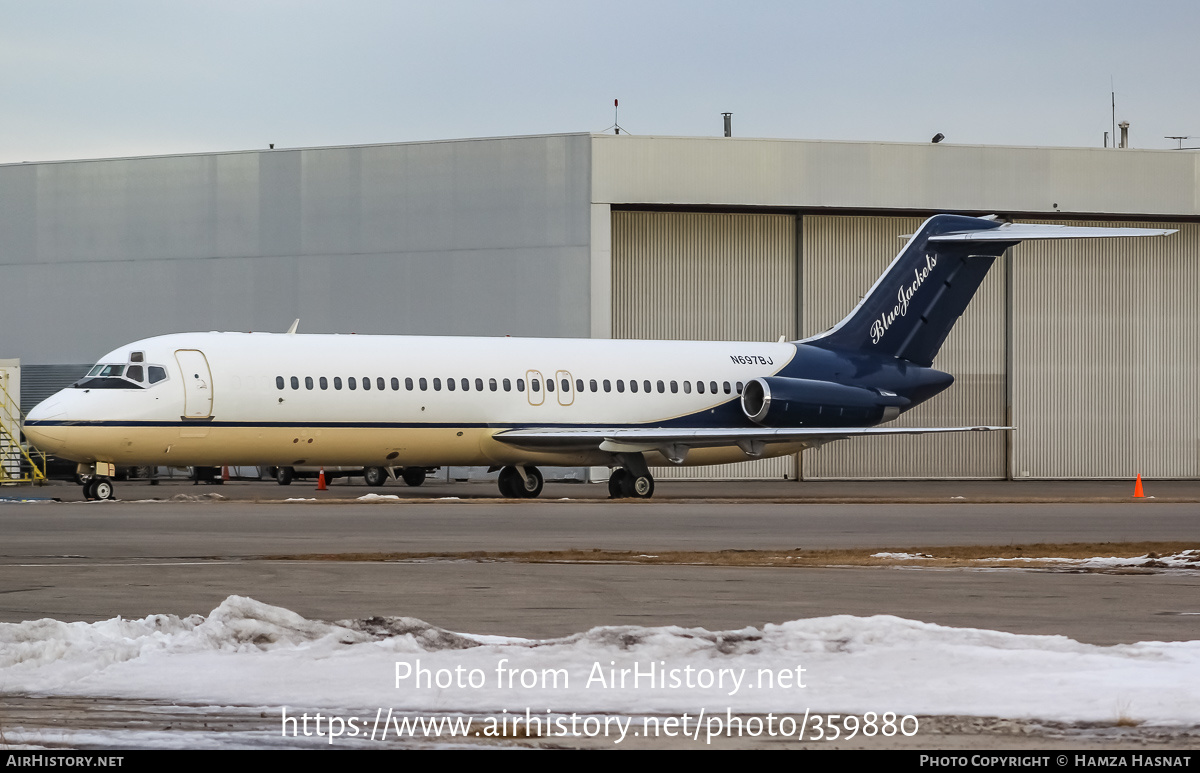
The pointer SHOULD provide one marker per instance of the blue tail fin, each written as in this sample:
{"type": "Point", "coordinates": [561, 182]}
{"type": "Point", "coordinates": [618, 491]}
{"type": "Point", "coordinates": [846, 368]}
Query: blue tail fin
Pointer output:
{"type": "Point", "coordinates": [909, 311]}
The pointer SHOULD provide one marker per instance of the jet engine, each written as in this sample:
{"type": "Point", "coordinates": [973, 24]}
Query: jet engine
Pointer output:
{"type": "Point", "coordinates": [775, 401]}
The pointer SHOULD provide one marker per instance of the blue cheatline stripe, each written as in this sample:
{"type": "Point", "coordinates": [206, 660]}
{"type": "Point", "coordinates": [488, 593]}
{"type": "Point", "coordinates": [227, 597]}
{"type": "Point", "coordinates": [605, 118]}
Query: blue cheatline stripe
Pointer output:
{"type": "Point", "coordinates": [681, 422]}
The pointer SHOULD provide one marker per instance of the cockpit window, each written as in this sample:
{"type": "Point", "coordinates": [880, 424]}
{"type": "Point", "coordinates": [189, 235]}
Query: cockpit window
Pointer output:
{"type": "Point", "coordinates": [122, 375]}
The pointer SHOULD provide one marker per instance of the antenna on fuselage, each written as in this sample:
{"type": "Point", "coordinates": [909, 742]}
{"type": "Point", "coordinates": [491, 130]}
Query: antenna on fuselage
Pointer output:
{"type": "Point", "coordinates": [292, 330]}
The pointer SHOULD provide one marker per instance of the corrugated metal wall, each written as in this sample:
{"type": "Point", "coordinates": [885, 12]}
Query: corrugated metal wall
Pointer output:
{"type": "Point", "coordinates": [41, 381]}
{"type": "Point", "coordinates": [706, 277]}
{"type": "Point", "coordinates": [1106, 351]}
{"type": "Point", "coordinates": [842, 258]}
{"type": "Point", "coordinates": [475, 237]}
{"type": "Point", "coordinates": [1104, 342]}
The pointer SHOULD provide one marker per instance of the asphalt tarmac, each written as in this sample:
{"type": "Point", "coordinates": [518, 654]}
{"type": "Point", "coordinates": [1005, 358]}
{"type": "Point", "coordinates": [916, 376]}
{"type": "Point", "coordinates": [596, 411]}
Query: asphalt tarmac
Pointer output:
{"type": "Point", "coordinates": [183, 549]}
{"type": "Point", "coordinates": [97, 560]}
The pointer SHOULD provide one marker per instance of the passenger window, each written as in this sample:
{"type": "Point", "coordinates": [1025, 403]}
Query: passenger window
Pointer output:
{"type": "Point", "coordinates": [595, 387]}
{"type": "Point", "coordinates": [158, 373]}
{"type": "Point", "coordinates": [395, 384]}
{"type": "Point", "coordinates": [337, 382]}
{"type": "Point", "coordinates": [379, 383]}
{"type": "Point", "coordinates": [549, 385]}
{"type": "Point", "coordinates": [646, 384]}
{"type": "Point", "coordinates": [739, 387]}
{"type": "Point", "coordinates": [536, 384]}
{"type": "Point", "coordinates": [674, 387]}
{"type": "Point", "coordinates": [687, 387]}
{"type": "Point", "coordinates": [727, 388]}
{"type": "Point", "coordinates": [492, 384]}
{"type": "Point", "coordinates": [607, 385]}
{"type": "Point", "coordinates": [408, 384]}
{"type": "Point", "coordinates": [424, 385]}
{"type": "Point", "coordinates": [508, 386]}
{"type": "Point", "coordinates": [466, 385]}
{"type": "Point", "coordinates": [350, 382]}
{"type": "Point", "coordinates": [633, 385]}
{"type": "Point", "coordinates": [662, 388]}
{"type": "Point", "coordinates": [134, 373]}
{"type": "Point", "coordinates": [367, 382]}
{"type": "Point", "coordinates": [324, 383]}
{"type": "Point", "coordinates": [712, 387]}
{"type": "Point", "coordinates": [566, 385]}
{"type": "Point", "coordinates": [308, 382]}
{"type": "Point", "coordinates": [479, 385]}
{"type": "Point", "coordinates": [520, 384]}
{"type": "Point", "coordinates": [620, 385]}
{"type": "Point", "coordinates": [437, 385]}
{"type": "Point", "coordinates": [295, 383]}
{"type": "Point", "coordinates": [450, 385]}
{"type": "Point", "coordinates": [699, 387]}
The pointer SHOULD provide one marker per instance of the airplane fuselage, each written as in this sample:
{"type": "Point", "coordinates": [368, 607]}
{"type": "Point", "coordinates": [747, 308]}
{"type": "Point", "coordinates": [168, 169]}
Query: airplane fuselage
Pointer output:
{"type": "Point", "coordinates": [401, 401]}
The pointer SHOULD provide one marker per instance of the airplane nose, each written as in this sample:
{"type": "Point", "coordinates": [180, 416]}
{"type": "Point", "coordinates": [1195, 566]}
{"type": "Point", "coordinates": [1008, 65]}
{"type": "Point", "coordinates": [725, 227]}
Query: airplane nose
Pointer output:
{"type": "Point", "coordinates": [46, 436]}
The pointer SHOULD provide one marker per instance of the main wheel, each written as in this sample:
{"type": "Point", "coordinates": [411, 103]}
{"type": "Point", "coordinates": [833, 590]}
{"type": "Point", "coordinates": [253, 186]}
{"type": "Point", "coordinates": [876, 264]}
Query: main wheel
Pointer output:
{"type": "Point", "coordinates": [375, 476]}
{"type": "Point", "coordinates": [617, 483]}
{"type": "Point", "coordinates": [413, 476]}
{"type": "Point", "coordinates": [531, 486]}
{"type": "Point", "coordinates": [284, 475]}
{"type": "Point", "coordinates": [89, 489]}
{"type": "Point", "coordinates": [642, 487]}
{"type": "Point", "coordinates": [510, 483]}
{"type": "Point", "coordinates": [102, 489]}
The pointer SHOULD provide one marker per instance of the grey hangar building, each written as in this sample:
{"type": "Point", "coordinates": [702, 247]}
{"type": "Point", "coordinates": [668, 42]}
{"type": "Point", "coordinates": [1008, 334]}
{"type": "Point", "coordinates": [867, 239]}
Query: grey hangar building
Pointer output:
{"type": "Point", "coordinates": [1090, 348]}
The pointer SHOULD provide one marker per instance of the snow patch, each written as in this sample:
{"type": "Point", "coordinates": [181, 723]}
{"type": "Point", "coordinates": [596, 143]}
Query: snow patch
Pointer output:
{"type": "Point", "coordinates": [249, 653]}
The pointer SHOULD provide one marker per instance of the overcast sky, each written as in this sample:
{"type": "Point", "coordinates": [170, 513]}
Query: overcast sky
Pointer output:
{"type": "Point", "coordinates": [98, 79]}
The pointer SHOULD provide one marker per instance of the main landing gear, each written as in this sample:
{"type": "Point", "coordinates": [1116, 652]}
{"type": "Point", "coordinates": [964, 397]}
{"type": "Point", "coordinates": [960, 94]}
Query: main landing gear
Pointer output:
{"type": "Point", "coordinates": [520, 482]}
{"type": "Point", "coordinates": [632, 479]}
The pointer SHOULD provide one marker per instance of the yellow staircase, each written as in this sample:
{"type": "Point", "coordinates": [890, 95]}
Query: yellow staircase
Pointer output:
{"type": "Point", "coordinates": [18, 465]}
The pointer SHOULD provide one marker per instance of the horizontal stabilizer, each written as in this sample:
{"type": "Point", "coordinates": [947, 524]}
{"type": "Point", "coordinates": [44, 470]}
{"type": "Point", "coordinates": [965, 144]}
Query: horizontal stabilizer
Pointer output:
{"type": "Point", "coordinates": [1019, 232]}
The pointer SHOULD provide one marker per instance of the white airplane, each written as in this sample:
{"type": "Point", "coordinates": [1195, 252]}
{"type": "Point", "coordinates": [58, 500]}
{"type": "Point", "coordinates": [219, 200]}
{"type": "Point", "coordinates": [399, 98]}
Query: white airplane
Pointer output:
{"type": "Point", "coordinates": [407, 403]}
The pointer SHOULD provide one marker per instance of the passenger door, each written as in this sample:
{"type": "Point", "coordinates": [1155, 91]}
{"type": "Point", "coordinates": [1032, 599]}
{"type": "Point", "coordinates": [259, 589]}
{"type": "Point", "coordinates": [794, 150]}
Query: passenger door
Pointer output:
{"type": "Point", "coordinates": [197, 384]}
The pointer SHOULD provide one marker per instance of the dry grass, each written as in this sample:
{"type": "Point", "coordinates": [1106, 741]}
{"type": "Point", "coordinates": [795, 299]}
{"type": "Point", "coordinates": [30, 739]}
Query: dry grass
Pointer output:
{"type": "Point", "coordinates": [942, 556]}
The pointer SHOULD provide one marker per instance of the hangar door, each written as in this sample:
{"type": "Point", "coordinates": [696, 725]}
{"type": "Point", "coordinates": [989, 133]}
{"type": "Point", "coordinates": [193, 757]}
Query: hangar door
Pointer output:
{"type": "Point", "coordinates": [706, 277]}
{"type": "Point", "coordinates": [843, 256]}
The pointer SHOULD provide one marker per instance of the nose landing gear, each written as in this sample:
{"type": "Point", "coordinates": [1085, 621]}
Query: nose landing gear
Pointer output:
{"type": "Point", "coordinates": [96, 479]}
{"type": "Point", "coordinates": [98, 488]}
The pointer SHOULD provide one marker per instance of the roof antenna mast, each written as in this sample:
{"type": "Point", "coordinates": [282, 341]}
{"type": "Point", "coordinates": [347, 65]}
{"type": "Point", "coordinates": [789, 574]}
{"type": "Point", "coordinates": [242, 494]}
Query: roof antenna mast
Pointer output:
{"type": "Point", "coordinates": [616, 127]}
{"type": "Point", "coordinates": [1114, 109]}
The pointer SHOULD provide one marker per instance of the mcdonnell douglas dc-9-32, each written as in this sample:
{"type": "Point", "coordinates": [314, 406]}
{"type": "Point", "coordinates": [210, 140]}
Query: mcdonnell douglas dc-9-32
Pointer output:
{"type": "Point", "coordinates": [399, 405]}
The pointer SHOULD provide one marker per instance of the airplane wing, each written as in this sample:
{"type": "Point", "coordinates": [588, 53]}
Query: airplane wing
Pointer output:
{"type": "Point", "coordinates": [675, 443]}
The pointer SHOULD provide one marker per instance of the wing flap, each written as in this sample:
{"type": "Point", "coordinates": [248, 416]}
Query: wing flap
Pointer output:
{"type": "Point", "coordinates": [750, 439]}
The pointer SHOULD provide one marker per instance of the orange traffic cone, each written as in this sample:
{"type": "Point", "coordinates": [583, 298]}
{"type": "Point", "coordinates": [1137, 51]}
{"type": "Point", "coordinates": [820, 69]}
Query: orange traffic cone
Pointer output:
{"type": "Point", "coordinates": [1137, 488]}
{"type": "Point", "coordinates": [224, 473]}
{"type": "Point", "coordinates": [321, 481]}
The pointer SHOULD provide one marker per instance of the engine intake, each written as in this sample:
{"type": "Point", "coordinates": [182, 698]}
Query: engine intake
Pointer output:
{"type": "Point", "coordinates": [775, 401]}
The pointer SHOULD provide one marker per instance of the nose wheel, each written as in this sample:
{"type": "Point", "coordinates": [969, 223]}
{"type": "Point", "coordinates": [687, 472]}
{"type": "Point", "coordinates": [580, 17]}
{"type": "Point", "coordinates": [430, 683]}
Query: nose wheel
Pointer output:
{"type": "Point", "coordinates": [98, 488]}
